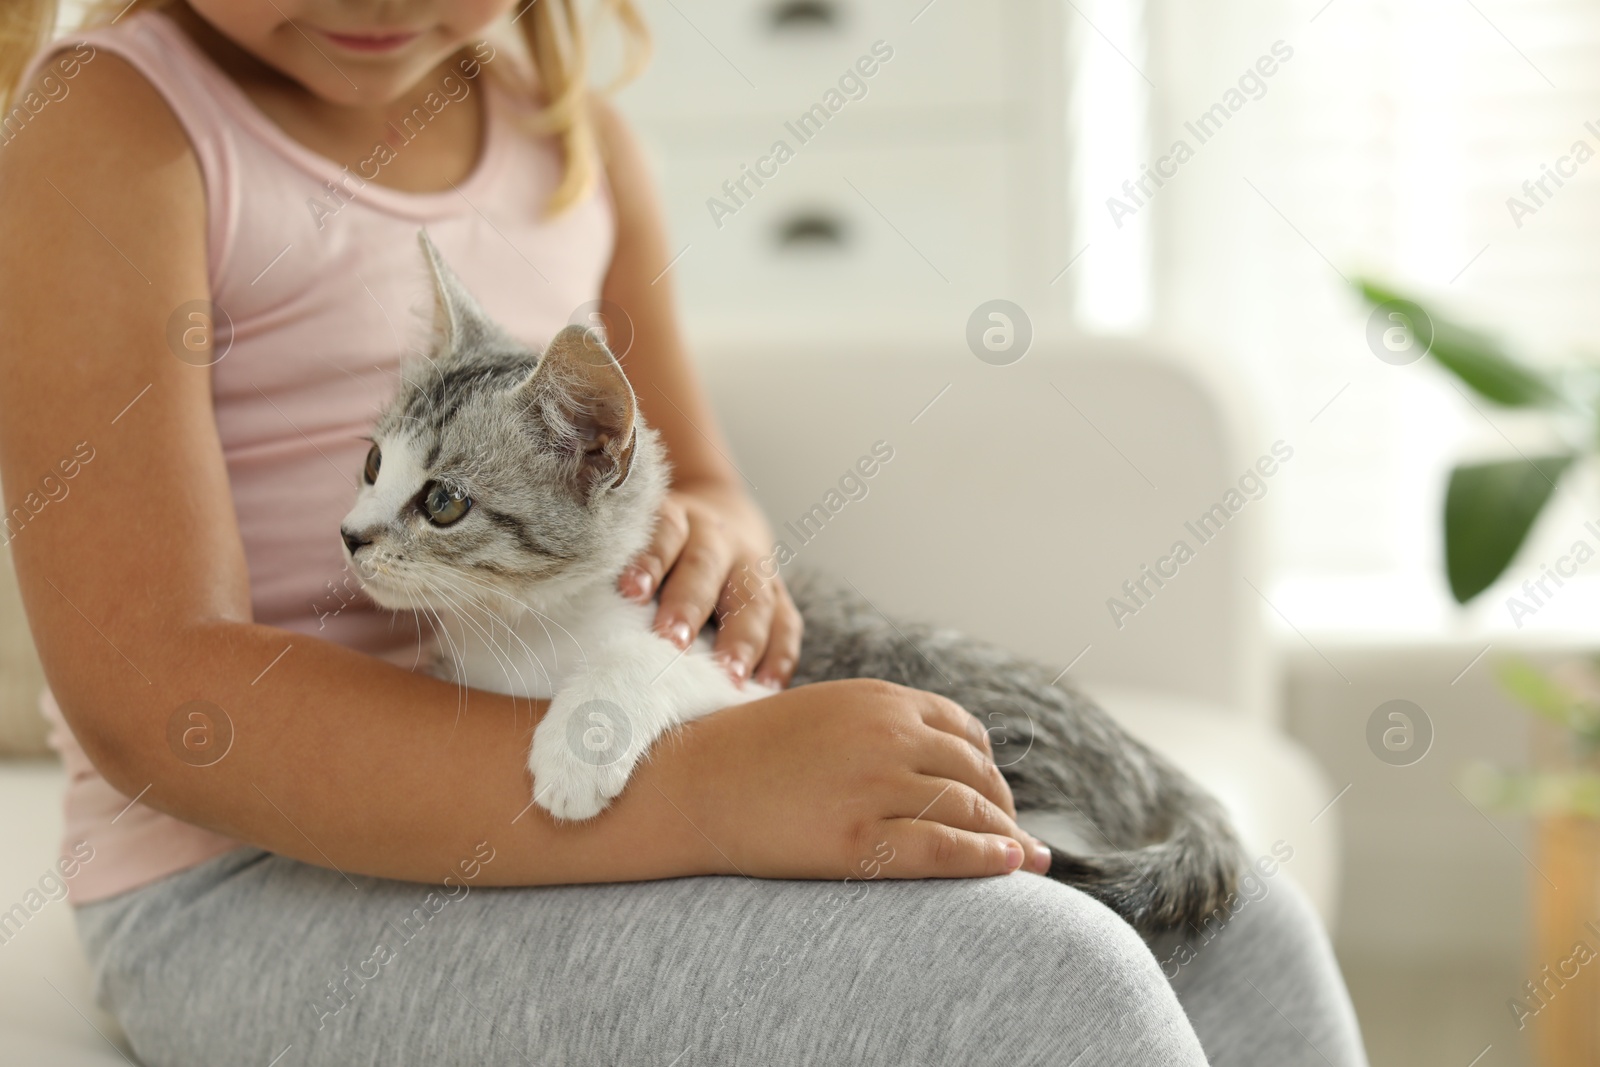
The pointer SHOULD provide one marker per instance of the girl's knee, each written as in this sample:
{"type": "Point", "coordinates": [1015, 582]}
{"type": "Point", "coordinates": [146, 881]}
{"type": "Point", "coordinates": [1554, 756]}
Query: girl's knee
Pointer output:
{"type": "Point", "coordinates": [1095, 987]}
{"type": "Point", "coordinates": [1271, 929]}
{"type": "Point", "coordinates": [1278, 910]}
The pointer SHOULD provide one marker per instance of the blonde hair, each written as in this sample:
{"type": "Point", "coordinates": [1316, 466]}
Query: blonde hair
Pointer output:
{"type": "Point", "coordinates": [552, 31]}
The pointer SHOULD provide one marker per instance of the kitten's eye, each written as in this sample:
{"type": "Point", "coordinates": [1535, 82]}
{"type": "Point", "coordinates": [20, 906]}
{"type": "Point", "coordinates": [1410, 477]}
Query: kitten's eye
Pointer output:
{"type": "Point", "coordinates": [443, 506]}
{"type": "Point", "coordinates": [374, 461]}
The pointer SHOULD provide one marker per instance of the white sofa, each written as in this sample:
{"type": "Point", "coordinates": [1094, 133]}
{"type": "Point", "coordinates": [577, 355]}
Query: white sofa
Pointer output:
{"type": "Point", "coordinates": [1015, 504]}
{"type": "Point", "coordinates": [1019, 500]}
{"type": "Point", "coordinates": [47, 1013]}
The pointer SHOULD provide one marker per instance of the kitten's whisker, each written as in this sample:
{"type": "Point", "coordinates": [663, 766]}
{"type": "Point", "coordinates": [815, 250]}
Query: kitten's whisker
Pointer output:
{"type": "Point", "coordinates": [460, 670]}
{"type": "Point", "coordinates": [532, 656]}
{"type": "Point", "coordinates": [416, 617]}
{"type": "Point", "coordinates": [425, 394]}
{"type": "Point", "coordinates": [502, 656]}
{"type": "Point", "coordinates": [501, 653]}
{"type": "Point", "coordinates": [493, 617]}
{"type": "Point", "coordinates": [540, 617]}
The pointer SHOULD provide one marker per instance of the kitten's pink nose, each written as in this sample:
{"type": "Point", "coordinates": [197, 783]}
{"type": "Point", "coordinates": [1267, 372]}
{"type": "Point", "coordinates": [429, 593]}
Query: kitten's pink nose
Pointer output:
{"type": "Point", "coordinates": [353, 541]}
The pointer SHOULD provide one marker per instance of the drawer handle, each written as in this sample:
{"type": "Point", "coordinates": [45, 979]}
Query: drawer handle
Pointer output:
{"type": "Point", "coordinates": [811, 230]}
{"type": "Point", "coordinates": [799, 16]}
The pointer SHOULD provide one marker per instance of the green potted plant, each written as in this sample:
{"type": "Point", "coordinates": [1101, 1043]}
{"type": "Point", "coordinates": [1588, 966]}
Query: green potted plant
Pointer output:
{"type": "Point", "coordinates": [1491, 506]}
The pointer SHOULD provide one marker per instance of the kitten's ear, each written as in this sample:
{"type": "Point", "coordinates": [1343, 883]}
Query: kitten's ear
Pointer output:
{"type": "Point", "coordinates": [459, 323]}
{"type": "Point", "coordinates": [580, 392]}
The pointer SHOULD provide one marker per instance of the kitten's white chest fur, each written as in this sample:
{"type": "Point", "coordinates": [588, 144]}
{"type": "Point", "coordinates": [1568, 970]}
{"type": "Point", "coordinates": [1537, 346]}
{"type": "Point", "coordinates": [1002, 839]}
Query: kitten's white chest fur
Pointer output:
{"type": "Point", "coordinates": [614, 687]}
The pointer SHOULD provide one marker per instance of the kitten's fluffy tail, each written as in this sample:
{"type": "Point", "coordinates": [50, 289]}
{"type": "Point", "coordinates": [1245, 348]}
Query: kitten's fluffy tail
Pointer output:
{"type": "Point", "coordinates": [1178, 881]}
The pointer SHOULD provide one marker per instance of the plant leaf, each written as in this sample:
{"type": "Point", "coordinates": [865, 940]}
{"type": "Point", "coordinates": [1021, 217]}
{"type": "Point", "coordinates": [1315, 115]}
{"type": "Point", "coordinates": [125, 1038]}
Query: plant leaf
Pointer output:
{"type": "Point", "coordinates": [1542, 694]}
{"type": "Point", "coordinates": [1488, 510]}
{"type": "Point", "coordinates": [1537, 691]}
{"type": "Point", "coordinates": [1532, 792]}
{"type": "Point", "coordinates": [1480, 361]}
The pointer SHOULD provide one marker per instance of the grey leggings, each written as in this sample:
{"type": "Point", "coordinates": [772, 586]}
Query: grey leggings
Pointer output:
{"type": "Point", "coordinates": [252, 956]}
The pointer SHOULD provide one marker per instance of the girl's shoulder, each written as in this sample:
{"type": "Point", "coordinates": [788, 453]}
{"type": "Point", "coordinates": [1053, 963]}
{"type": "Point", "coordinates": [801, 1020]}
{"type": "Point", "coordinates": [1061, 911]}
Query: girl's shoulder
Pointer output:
{"type": "Point", "coordinates": [125, 93]}
{"type": "Point", "coordinates": [84, 103]}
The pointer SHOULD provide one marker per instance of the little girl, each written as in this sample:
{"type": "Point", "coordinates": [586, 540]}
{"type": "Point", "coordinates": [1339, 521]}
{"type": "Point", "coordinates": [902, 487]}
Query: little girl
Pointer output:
{"type": "Point", "coordinates": [292, 848]}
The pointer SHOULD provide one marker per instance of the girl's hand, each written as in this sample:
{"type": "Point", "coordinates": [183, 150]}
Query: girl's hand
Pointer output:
{"type": "Point", "coordinates": [711, 552]}
{"type": "Point", "coordinates": [859, 779]}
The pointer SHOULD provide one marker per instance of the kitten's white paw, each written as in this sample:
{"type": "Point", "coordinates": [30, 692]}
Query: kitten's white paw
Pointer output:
{"type": "Point", "coordinates": [581, 758]}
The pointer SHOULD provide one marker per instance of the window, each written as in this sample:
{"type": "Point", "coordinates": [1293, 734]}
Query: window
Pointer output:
{"type": "Point", "coordinates": [1390, 138]}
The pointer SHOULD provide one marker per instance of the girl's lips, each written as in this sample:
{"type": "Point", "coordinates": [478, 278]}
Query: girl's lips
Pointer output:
{"type": "Point", "coordinates": [371, 42]}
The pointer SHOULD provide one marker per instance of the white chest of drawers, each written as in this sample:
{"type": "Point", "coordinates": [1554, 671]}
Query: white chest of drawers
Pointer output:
{"type": "Point", "coordinates": [824, 162]}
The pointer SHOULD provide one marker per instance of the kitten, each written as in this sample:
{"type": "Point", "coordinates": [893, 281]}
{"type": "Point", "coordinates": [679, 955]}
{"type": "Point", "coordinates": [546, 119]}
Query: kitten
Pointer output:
{"type": "Point", "coordinates": [506, 490]}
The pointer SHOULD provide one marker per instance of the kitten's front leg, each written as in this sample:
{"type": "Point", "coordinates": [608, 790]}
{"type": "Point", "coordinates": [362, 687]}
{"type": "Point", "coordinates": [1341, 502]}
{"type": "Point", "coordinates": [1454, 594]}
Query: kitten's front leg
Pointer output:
{"type": "Point", "coordinates": [585, 748]}
{"type": "Point", "coordinates": [632, 687]}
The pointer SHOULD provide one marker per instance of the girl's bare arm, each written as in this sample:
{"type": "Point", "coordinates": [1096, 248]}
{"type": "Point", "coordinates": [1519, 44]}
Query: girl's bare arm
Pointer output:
{"type": "Point", "coordinates": [136, 583]}
{"type": "Point", "coordinates": [137, 590]}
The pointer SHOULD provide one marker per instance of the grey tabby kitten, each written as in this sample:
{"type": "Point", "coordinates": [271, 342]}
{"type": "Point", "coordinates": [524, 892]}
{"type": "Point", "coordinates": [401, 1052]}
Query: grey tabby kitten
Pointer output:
{"type": "Point", "coordinates": [504, 494]}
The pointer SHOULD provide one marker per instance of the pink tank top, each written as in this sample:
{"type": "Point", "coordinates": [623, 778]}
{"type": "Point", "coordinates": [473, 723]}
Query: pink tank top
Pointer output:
{"type": "Point", "coordinates": [319, 271]}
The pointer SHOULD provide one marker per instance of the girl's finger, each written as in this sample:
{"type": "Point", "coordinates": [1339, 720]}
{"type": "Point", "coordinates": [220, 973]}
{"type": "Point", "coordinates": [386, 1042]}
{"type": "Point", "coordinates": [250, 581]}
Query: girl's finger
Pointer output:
{"type": "Point", "coordinates": [643, 576]}
{"type": "Point", "coordinates": [908, 848]}
{"type": "Point", "coordinates": [744, 621]}
{"type": "Point", "coordinates": [948, 757]}
{"type": "Point", "coordinates": [783, 643]}
{"type": "Point", "coordinates": [692, 587]}
{"type": "Point", "coordinates": [962, 808]}
{"type": "Point", "coordinates": [952, 718]}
